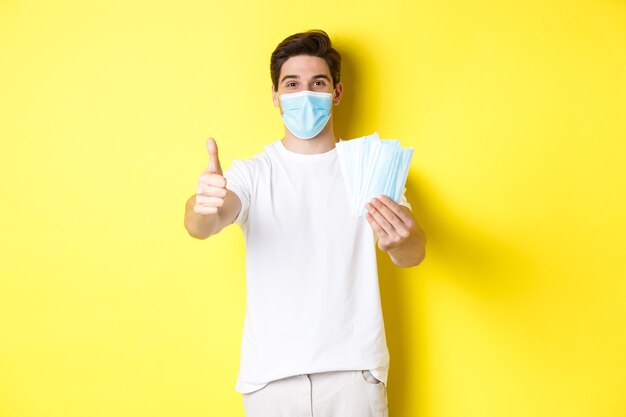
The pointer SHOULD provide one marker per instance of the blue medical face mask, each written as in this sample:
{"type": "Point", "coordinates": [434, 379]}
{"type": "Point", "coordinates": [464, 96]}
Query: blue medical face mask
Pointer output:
{"type": "Point", "coordinates": [305, 113]}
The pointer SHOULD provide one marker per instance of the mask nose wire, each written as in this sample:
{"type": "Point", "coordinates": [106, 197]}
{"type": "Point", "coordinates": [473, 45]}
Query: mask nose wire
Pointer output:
{"type": "Point", "coordinates": [332, 93]}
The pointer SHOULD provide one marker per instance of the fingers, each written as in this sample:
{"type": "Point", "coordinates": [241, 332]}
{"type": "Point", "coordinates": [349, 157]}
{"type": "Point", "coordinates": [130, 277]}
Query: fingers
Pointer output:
{"type": "Point", "coordinates": [208, 205]}
{"type": "Point", "coordinates": [205, 210]}
{"type": "Point", "coordinates": [212, 180]}
{"type": "Point", "coordinates": [387, 216]}
{"type": "Point", "coordinates": [396, 209]}
{"type": "Point", "coordinates": [380, 232]}
{"type": "Point", "coordinates": [210, 191]}
{"type": "Point", "coordinates": [382, 217]}
{"type": "Point", "coordinates": [214, 161]}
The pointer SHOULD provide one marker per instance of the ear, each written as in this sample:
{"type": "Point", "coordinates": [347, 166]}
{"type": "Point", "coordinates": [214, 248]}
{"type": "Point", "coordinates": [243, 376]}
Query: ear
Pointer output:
{"type": "Point", "coordinates": [275, 98]}
{"type": "Point", "coordinates": [338, 94]}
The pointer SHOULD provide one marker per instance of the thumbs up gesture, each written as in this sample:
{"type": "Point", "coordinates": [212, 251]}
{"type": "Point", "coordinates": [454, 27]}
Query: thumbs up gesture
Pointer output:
{"type": "Point", "coordinates": [211, 189]}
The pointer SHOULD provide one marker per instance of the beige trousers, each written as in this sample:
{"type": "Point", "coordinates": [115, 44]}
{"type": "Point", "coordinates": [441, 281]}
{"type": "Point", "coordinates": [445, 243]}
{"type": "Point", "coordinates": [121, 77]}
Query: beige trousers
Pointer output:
{"type": "Point", "coordinates": [325, 394]}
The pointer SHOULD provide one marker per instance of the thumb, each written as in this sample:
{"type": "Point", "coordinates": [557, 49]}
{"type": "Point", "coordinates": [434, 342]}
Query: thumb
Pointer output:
{"type": "Point", "coordinates": [214, 160]}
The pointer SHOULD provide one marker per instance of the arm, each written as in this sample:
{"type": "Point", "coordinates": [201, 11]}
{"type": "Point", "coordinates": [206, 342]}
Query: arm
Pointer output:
{"type": "Point", "coordinates": [397, 231]}
{"type": "Point", "coordinates": [213, 207]}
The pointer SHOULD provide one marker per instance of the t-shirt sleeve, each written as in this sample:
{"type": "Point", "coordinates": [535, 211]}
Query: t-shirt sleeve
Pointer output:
{"type": "Point", "coordinates": [239, 181]}
{"type": "Point", "coordinates": [404, 202]}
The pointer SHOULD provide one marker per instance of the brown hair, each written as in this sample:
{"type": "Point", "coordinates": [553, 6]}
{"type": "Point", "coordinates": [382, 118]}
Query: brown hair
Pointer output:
{"type": "Point", "coordinates": [314, 43]}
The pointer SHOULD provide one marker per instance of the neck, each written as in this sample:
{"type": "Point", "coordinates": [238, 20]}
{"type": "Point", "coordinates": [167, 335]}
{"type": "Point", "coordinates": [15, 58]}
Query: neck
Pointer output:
{"type": "Point", "coordinates": [323, 142]}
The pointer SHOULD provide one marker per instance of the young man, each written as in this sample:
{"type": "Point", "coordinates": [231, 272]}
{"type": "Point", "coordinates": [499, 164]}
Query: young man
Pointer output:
{"type": "Point", "coordinates": [313, 339]}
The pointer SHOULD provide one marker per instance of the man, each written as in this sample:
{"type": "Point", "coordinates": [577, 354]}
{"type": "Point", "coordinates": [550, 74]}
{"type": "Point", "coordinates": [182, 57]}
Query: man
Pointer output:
{"type": "Point", "coordinates": [313, 340]}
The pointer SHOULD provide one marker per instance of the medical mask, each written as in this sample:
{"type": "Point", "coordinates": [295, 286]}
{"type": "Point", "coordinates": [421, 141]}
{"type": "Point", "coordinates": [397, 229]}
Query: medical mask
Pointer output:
{"type": "Point", "coordinates": [305, 113]}
{"type": "Point", "coordinates": [371, 167]}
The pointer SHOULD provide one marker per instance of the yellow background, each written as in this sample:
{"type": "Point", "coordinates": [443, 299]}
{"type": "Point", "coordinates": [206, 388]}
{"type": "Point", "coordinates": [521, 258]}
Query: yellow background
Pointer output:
{"type": "Point", "coordinates": [516, 111]}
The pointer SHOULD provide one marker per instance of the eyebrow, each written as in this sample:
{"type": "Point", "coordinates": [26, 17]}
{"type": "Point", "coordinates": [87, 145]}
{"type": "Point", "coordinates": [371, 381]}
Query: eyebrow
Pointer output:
{"type": "Point", "coordinates": [315, 77]}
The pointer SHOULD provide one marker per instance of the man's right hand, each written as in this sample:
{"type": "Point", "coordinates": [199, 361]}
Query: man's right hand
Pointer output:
{"type": "Point", "coordinates": [211, 189]}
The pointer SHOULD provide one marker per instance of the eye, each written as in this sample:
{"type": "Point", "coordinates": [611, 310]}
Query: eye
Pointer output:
{"type": "Point", "coordinates": [291, 84]}
{"type": "Point", "coordinates": [320, 83]}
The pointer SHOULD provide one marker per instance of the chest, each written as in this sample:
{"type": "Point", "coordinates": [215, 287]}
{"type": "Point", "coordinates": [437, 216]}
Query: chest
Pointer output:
{"type": "Point", "coordinates": [302, 197]}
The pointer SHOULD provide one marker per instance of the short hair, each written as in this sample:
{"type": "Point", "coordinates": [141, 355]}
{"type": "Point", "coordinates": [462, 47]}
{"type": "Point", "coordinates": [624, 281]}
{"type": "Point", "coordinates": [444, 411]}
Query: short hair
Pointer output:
{"type": "Point", "coordinates": [314, 43]}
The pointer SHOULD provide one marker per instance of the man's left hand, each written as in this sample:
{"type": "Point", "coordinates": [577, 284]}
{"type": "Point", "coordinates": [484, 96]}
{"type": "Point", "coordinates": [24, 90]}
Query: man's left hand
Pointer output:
{"type": "Point", "coordinates": [396, 230]}
{"type": "Point", "coordinates": [389, 221]}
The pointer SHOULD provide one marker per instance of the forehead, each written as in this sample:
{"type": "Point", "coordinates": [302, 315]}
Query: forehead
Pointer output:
{"type": "Point", "coordinates": [304, 65]}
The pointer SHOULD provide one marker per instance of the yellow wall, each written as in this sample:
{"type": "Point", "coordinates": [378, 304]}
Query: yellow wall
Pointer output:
{"type": "Point", "coordinates": [516, 111]}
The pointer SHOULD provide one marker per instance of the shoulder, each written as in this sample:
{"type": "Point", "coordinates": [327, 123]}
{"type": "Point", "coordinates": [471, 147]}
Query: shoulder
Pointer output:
{"type": "Point", "coordinates": [256, 163]}
{"type": "Point", "coordinates": [269, 152]}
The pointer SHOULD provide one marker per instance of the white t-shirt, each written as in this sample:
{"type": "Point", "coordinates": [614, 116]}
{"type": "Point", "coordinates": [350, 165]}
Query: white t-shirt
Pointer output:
{"type": "Point", "coordinates": [313, 301]}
